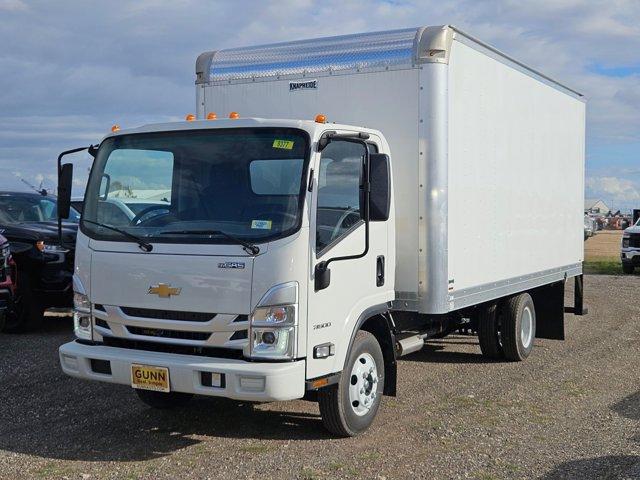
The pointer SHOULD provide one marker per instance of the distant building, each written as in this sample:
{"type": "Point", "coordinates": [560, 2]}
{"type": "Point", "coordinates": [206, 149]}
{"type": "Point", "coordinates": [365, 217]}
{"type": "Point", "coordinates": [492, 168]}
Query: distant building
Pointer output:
{"type": "Point", "coordinates": [596, 206]}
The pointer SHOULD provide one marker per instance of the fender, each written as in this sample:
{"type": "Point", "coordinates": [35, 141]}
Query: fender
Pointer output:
{"type": "Point", "coordinates": [386, 338]}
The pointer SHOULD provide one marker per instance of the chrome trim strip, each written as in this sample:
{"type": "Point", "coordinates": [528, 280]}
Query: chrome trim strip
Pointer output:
{"type": "Point", "coordinates": [483, 293]}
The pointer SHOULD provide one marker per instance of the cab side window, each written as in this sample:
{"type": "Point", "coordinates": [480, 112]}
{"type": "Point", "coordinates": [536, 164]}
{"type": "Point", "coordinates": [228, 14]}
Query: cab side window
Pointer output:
{"type": "Point", "coordinates": [338, 205]}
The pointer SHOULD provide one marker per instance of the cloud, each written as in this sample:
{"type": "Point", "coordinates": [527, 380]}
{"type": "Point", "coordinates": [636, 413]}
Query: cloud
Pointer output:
{"type": "Point", "coordinates": [13, 5]}
{"type": "Point", "coordinates": [69, 80]}
{"type": "Point", "coordinates": [620, 192]}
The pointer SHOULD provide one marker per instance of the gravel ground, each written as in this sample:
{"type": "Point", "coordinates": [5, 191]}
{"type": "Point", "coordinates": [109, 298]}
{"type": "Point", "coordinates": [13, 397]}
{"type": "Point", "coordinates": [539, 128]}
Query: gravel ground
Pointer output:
{"type": "Point", "coordinates": [572, 410]}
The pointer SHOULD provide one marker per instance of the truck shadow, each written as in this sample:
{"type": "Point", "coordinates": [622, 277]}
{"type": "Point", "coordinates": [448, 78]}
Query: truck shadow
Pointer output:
{"type": "Point", "coordinates": [612, 467]}
{"type": "Point", "coordinates": [101, 423]}
{"type": "Point", "coordinates": [441, 351]}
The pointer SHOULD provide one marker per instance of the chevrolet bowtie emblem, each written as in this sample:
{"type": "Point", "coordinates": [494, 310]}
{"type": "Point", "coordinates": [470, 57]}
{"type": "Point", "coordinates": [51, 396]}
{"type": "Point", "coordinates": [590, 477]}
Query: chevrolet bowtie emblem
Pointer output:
{"type": "Point", "coordinates": [164, 290]}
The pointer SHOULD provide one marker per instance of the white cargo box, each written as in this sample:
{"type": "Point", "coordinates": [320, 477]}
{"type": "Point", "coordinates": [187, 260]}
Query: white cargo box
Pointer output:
{"type": "Point", "coordinates": [487, 154]}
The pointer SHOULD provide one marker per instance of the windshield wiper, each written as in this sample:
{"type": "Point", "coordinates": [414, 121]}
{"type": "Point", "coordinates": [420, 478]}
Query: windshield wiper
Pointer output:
{"type": "Point", "coordinates": [248, 247]}
{"type": "Point", "coordinates": [147, 247]}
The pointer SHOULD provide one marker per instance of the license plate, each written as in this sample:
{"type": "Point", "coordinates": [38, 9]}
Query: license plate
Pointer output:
{"type": "Point", "coordinates": [147, 377]}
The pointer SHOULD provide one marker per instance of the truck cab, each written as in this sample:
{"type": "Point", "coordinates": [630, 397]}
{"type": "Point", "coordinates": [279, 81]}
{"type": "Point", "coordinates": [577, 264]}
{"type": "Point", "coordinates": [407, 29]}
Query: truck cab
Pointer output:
{"type": "Point", "coordinates": [630, 250]}
{"type": "Point", "coordinates": [265, 243]}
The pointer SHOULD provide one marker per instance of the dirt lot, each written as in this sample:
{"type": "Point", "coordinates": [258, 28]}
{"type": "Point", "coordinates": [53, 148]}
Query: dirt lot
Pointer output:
{"type": "Point", "coordinates": [604, 245]}
{"type": "Point", "coordinates": [572, 410]}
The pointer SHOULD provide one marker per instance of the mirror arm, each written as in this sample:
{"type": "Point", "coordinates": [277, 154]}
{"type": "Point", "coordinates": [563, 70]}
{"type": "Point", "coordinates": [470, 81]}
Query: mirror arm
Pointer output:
{"type": "Point", "coordinates": [323, 266]}
{"type": "Point", "coordinates": [67, 152]}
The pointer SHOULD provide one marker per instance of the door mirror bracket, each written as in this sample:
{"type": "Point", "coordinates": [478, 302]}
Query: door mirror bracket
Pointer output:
{"type": "Point", "coordinates": [322, 273]}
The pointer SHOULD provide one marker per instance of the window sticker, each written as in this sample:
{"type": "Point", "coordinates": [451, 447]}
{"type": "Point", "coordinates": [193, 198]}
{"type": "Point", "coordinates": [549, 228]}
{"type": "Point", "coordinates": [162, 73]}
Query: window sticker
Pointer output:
{"type": "Point", "coordinates": [261, 224]}
{"type": "Point", "coordinates": [283, 144]}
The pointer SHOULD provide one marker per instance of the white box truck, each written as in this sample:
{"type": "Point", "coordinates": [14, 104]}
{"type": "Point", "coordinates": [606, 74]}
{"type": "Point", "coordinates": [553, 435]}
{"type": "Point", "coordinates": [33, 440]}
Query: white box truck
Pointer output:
{"type": "Point", "coordinates": [366, 193]}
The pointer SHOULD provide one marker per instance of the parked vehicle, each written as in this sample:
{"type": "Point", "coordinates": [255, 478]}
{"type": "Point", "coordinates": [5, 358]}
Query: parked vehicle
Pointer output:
{"type": "Point", "coordinates": [589, 228]}
{"type": "Point", "coordinates": [44, 267]}
{"type": "Point", "coordinates": [630, 251]}
{"type": "Point", "coordinates": [7, 286]}
{"type": "Point", "coordinates": [300, 258]}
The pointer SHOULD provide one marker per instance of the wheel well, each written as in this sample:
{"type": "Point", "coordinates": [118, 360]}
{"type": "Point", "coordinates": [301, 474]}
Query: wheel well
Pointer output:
{"type": "Point", "coordinates": [380, 326]}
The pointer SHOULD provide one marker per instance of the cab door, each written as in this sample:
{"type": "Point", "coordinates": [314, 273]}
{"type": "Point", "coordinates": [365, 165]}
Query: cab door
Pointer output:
{"type": "Point", "coordinates": [338, 230]}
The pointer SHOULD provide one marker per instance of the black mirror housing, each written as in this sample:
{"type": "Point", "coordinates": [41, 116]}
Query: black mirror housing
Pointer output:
{"type": "Point", "coordinates": [380, 181]}
{"type": "Point", "coordinates": [322, 276]}
{"type": "Point", "coordinates": [65, 180]}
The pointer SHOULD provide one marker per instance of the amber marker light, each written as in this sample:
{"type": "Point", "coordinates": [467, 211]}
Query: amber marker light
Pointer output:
{"type": "Point", "coordinates": [190, 118]}
{"type": "Point", "coordinates": [212, 116]}
{"type": "Point", "coordinates": [320, 118]}
{"type": "Point", "coordinates": [115, 128]}
{"type": "Point", "coordinates": [234, 115]}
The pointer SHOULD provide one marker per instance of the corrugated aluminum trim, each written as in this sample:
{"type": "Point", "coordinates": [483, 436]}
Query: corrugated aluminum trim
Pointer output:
{"type": "Point", "coordinates": [332, 54]}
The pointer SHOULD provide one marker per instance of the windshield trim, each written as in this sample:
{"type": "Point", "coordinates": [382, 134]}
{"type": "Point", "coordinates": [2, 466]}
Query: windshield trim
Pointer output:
{"type": "Point", "coordinates": [220, 240]}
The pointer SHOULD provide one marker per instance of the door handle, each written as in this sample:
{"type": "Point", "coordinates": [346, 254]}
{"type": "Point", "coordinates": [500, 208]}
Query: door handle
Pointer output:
{"type": "Point", "coordinates": [380, 271]}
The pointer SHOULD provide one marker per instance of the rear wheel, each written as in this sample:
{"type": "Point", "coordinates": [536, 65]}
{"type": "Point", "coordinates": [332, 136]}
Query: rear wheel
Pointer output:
{"type": "Point", "coordinates": [349, 407]}
{"type": "Point", "coordinates": [518, 327]}
{"type": "Point", "coordinates": [489, 331]}
{"type": "Point", "coordinates": [162, 400]}
{"type": "Point", "coordinates": [626, 268]}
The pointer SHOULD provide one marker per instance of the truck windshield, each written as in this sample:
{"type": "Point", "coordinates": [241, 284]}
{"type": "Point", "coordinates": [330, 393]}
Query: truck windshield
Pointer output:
{"type": "Point", "coordinates": [247, 183]}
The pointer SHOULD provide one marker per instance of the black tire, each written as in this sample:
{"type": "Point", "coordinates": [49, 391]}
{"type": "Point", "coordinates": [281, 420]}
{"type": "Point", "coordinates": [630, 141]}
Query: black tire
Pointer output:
{"type": "Point", "coordinates": [489, 331]}
{"type": "Point", "coordinates": [338, 414]}
{"type": "Point", "coordinates": [513, 313]}
{"type": "Point", "coordinates": [163, 401]}
{"type": "Point", "coordinates": [27, 313]}
{"type": "Point", "coordinates": [628, 269]}
{"type": "Point", "coordinates": [3, 320]}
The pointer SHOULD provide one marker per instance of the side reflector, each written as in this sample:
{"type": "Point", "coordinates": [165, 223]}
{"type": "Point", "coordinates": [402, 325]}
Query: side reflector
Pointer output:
{"type": "Point", "coordinates": [234, 115]}
{"type": "Point", "coordinates": [190, 118]}
{"type": "Point", "coordinates": [321, 382]}
{"type": "Point", "coordinates": [212, 116]}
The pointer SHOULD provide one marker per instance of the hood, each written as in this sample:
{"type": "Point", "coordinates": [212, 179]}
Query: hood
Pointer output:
{"type": "Point", "coordinates": [219, 284]}
{"type": "Point", "coordinates": [30, 232]}
{"type": "Point", "coordinates": [634, 229]}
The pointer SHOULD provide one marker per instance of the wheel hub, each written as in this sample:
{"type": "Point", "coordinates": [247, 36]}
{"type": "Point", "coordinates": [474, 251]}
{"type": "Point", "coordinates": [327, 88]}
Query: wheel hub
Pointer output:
{"type": "Point", "coordinates": [526, 327]}
{"type": "Point", "coordinates": [363, 384]}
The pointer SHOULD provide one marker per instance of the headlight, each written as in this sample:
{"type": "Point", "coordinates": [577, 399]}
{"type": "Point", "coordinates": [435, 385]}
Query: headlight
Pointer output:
{"type": "Point", "coordinates": [81, 302]}
{"type": "Point", "coordinates": [53, 248]}
{"type": "Point", "coordinates": [625, 242]}
{"type": "Point", "coordinates": [273, 332]}
{"type": "Point", "coordinates": [82, 316]}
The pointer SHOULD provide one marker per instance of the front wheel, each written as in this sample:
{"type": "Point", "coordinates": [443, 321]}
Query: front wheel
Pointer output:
{"type": "Point", "coordinates": [163, 401]}
{"type": "Point", "coordinates": [349, 407]}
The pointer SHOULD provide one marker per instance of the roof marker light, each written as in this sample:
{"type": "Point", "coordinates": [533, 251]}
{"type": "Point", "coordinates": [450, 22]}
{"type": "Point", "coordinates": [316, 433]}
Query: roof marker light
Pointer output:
{"type": "Point", "coordinates": [190, 117]}
{"type": "Point", "coordinates": [320, 118]}
{"type": "Point", "coordinates": [115, 128]}
{"type": "Point", "coordinates": [212, 116]}
{"type": "Point", "coordinates": [234, 115]}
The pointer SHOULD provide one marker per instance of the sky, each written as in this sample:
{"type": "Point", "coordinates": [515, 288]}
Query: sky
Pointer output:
{"type": "Point", "coordinates": [70, 69]}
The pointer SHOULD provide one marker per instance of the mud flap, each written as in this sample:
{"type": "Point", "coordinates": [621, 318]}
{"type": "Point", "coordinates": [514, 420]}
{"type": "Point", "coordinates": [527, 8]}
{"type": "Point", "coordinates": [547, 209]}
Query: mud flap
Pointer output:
{"type": "Point", "coordinates": [549, 305]}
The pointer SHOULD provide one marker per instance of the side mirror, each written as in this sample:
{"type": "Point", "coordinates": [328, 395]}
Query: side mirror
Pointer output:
{"type": "Point", "coordinates": [380, 181]}
{"type": "Point", "coordinates": [64, 190]}
{"type": "Point", "coordinates": [322, 276]}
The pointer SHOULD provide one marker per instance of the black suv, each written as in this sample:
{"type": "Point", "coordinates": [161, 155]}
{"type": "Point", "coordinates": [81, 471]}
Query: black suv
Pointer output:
{"type": "Point", "coordinates": [44, 267]}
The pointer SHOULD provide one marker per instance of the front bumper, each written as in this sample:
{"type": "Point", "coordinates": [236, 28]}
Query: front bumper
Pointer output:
{"type": "Point", "coordinates": [253, 381]}
{"type": "Point", "coordinates": [631, 257]}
